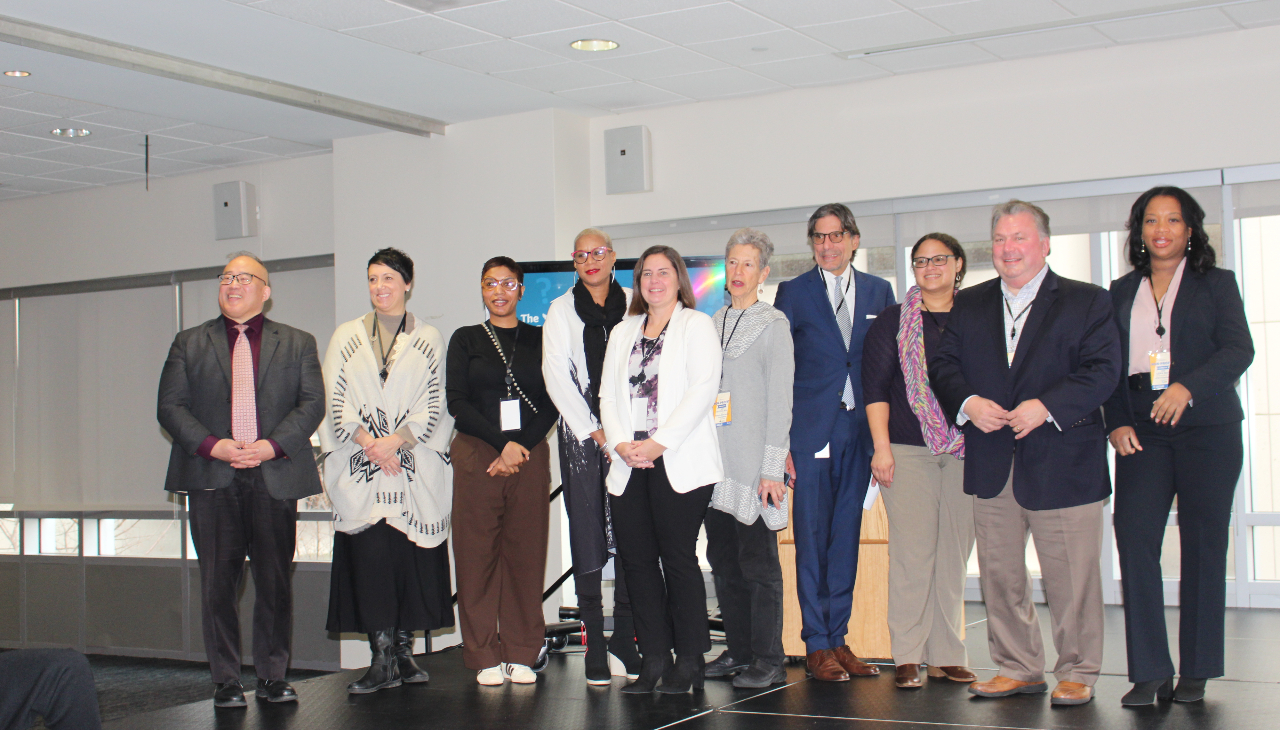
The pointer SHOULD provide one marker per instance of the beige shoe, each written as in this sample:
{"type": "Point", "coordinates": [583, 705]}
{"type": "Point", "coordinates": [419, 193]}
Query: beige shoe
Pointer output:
{"type": "Point", "coordinates": [491, 677]}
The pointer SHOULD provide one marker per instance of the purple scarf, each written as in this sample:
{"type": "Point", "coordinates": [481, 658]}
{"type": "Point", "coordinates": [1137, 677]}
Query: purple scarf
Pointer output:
{"type": "Point", "coordinates": [941, 436]}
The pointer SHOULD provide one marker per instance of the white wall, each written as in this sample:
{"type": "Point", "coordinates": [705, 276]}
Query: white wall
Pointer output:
{"type": "Point", "coordinates": [1188, 104]}
{"type": "Point", "coordinates": [124, 229]}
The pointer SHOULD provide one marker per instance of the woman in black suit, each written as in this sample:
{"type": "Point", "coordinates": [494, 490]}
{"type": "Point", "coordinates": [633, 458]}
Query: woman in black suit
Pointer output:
{"type": "Point", "coordinates": [1174, 421]}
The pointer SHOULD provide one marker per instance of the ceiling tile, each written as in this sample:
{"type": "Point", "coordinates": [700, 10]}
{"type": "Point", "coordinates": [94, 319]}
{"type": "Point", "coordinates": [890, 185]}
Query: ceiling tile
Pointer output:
{"type": "Point", "coordinates": [926, 58]}
{"type": "Point", "coordinates": [812, 12]}
{"type": "Point", "coordinates": [717, 84]}
{"type": "Point", "coordinates": [208, 135]}
{"type": "Point", "coordinates": [133, 121]}
{"type": "Point", "coordinates": [818, 70]}
{"type": "Point", "coordinates": [1086, 8]}
{"type": "Point", "coordinates": [43, 128]}
{"type": "Point", "coordinates": [160, 167]}
{"type": "Point", "coordinates": [217, 156]}
{"type": "Point", "coordinates": [979, 16]}
{"type": "Point", "coordinates": [76, 154]}
{"type": "Point", "coordinates": [776, 46]}
{"type": "Point", "coordinates": [337, 14]}
{"type": "Point", "coordinates": [52, 105]}
{"type": "Point", "coordinates": [10, 118]}
{"type": "Point", "coordinates": [6, 194]}
{"type": "Point", "coordinates": [135, 144]}
{"type": "Point", "coordinates": [495, 56]}
{"type": "Point", "coordinates": [509, 18]}
{"type": "Point", "coordinates": [11, 91]}
{"type": "Point", "coordinates": [709, 23]}
{"type": "Point", "coordinates": [20, 144]}
{"type": "Point", "coordinates": [629, 40]}
{"type": "Point", "coordinates": [27, 166]}
{"type": "Point", "coordinates": [622, 96]}
{"type": "Point", "coordinates": [656, 64]}
{"type": "Point", "coordinates": [93, 175]}
{"type": "Point", "coordinates": [273, 146]}
{"type": "Point", "coordinates": [41, 185]}
{"type": "Point", "coordinates": [1061, 40]}
{"type": "Point", "coordinates": [423, 33]}
{"type": "Point", "coordinates": [1174, 25]}
{"type": "Point", "coordinates": [875, 32]}
{"type": "Point", "coordinates": [562, 77]}
{"type": "Point", "coordinates": [1250, 15]}
{"type": "Point", "coordinates": [620, 9]}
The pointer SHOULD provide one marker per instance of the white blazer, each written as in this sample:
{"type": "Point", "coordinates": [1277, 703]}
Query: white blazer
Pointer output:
{"type": "Point", "coordinates": [564, 364]}
{"type": "Point", "coordinates": [688, 381]}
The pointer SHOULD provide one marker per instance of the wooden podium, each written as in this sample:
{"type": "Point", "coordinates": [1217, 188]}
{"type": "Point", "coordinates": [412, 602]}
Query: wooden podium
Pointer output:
{"type": "Point", "coordinates": [869, 625]}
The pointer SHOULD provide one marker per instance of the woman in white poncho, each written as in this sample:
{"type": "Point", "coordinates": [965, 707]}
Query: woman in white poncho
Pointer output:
{"type": "Point", "coordinates": [387, 472]}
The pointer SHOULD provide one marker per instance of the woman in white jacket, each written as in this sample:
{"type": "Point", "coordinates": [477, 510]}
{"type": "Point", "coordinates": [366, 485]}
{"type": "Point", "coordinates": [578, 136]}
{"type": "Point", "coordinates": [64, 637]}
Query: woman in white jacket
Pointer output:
{"type": "Point", "coordinates": [574, 340]}
{"type": "Point", "coordinates": [659, 386]}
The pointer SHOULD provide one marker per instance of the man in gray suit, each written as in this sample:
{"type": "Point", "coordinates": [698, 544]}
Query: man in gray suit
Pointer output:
{"type": "Point", "coordinates": [241, 396]}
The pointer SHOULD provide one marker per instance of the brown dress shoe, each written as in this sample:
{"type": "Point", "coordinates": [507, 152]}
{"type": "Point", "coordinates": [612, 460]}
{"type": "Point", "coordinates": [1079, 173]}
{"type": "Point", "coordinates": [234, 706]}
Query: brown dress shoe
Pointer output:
{"type": "Point", "coordinates": [955, 674]}
{"type": "Point", "coordinates": [852, 664]}
{"type": "Point", "coordinates": [822, 665]}
{"type": "Point", "coordinates": [999, 686]}
{"type": "Point", "coordinates": [1071, 693]}
{"type": "Point", "coordinates": [907, 676]}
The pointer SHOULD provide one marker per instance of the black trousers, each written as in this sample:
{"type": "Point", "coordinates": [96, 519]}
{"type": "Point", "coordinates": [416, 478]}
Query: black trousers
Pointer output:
{"type": "Point", "coordinates": [744, 563]}
{"type": "Point", "coordinates": [56, 684]}
{"type": "Point", "coordinates": [1200, 466]}
{"type": "Point", "coordinates": [228, 525]}
{"type": "Point", "coordinates": [657, 530]}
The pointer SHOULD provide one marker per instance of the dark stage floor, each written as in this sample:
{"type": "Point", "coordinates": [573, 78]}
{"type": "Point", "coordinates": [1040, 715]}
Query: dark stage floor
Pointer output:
{"type": "Point", "coordinates": [1248, 698]}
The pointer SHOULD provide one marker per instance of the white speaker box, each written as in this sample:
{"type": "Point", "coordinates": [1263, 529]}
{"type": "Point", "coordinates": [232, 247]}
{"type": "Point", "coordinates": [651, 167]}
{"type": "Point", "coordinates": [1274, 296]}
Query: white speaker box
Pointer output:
{"type": "Point", "coordinates": [235, 210]}
{"type": "Point", "coordinates": [627, 167]}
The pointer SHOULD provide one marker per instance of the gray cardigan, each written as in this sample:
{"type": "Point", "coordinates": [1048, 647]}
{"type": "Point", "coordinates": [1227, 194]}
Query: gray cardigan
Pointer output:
{"type": "Point", "coordinates": [757, 373]}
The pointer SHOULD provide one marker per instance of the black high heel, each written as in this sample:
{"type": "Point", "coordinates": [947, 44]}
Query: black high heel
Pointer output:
{"type": "Point", "coordinates": [1189, 689]}
{"type": "Point", "coordinates": [1145, 693]}
{"type": "Point", "coordinates": [686, 674]}
{"type": "Point", "coordinates": [652, 669]}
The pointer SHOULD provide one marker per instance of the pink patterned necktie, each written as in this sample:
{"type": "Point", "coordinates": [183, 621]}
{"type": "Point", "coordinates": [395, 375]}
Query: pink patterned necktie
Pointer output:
{"type": "Point", "coordinates": [244, 403]}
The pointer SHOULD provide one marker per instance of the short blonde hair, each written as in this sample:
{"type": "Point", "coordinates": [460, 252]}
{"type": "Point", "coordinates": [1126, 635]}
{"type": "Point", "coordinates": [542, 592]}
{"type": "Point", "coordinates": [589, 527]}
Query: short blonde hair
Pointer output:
{"type": "Point", "coordinates": [608, 240]}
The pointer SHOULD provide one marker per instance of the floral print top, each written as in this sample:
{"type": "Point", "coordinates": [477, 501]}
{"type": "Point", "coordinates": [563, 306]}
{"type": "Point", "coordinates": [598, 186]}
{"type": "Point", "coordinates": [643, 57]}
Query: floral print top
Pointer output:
{"type": "Point", "coordinates": [642, 371]}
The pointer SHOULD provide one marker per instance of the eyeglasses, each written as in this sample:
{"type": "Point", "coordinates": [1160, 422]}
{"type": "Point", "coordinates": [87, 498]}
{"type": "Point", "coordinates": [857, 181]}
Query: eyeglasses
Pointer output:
{"type": "Point", "coordinates": [598, 254]}
{"type": "Point", "coordinates": [939, 260]}
{"type": "Point", "coordinates": [493, 284]}
{"type": "Point", "coordinates": [834, 237]}
{"type": "Point", "coordinates": [241, 279]}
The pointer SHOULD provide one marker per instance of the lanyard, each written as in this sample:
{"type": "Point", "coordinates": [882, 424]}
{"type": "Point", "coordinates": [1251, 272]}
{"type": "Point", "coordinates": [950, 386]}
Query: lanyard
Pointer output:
{"type": "Point", "coordinates": [647, 352]}
{"type": "Point", "coordinates": [1160, 330]}
{"type": "Point", "coordinates": [736, 322]}
{"type": "Point", "coordinates": [1013, 329]}
{"type": "Point", "coordinates": [940, 328]}
{"type": "Point", "coordinates": [510, 378]}
{"type": "Point", "coordinates": [377, 331]}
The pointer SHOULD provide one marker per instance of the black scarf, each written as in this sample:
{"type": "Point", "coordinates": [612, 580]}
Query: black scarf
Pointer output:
{"type": "Point", "coordinates": [597, 322]}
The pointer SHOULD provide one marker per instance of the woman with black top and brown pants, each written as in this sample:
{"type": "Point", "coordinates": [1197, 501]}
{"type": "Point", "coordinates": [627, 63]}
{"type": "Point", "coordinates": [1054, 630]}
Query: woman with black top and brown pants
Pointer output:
{"type": "Point", "coordinates": [501, 481]}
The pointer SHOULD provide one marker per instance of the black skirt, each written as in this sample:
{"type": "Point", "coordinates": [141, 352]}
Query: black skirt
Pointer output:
{"type": "Point", "coordinates": [382, 580]}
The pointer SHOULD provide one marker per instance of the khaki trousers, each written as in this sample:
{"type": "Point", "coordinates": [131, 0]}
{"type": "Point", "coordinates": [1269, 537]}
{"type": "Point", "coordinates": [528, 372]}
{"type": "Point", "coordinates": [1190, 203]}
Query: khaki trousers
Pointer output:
{"type": "Point", "coordinates": [1069, 545]}
{"type": "Point", "coordinates": [930, 538]}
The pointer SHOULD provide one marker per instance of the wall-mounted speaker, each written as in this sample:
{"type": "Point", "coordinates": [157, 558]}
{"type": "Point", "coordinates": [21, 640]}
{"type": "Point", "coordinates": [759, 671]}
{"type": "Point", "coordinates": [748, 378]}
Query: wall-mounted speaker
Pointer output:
{"type": "Point", "coordinates": [627, 167]}
{"type": "Point", "coordinates": [235, 210]}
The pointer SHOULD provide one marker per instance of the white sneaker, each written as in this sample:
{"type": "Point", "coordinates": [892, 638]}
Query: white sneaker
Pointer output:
{"type": "Point", "coordinates": [491, 677]}
{"type": "Point", "coordinates": [518, 673]}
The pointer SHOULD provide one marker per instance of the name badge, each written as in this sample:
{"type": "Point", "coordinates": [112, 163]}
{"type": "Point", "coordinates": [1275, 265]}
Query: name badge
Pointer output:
{"type": "Point", "coordinates": [509, 414]}
{"type": "Point", "coordinates": [722, 411]}
{"type": "Point", "coordinates": [640, 414]}
{"type": "Point", "coordinates": [1160, 363]}
{"type": "Point", "coordinates": [1010, 354]}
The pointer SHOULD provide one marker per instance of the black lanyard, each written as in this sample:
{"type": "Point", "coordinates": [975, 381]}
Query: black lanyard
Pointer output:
{"type": "Point", "coordinates": [724, 322]}
{"type": "Point", "coordinates": [1160, 330]}
{"type": "Point", "coordinates": [377, 331]}
{"type": "Point", "coordinates": [1013, 329]}
{"type": "Point", "coordinates": [647, 352]}
{"type": "Point", "coordinates": [941, 328]}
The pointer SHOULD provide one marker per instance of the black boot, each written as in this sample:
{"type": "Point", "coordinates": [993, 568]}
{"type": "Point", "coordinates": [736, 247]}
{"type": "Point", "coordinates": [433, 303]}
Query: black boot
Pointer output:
{"type": "Point", "coordinates": [1145, 693]}
{"type": "Point", "coordinates": [597, 668]}
{"type": "Point", "coordinates": [410, 672]}
{"type": "Point", "coordinates": [622, 644]}
{"type": "Point", "coordinates": [1190, 689]}
{"type": "Point", "coordinates": [687, 674]}
{"type": "Point", "coordinates": [383, 672]}
{"type": "Point", "coordinates": [651, 670]}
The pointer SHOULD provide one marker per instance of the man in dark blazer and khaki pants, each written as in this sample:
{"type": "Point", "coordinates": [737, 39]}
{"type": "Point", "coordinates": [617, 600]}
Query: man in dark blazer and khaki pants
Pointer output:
{"type": "Point", "coordinates": [241, 395]}
{"type": "Point", "coordinates": [1024, 366]}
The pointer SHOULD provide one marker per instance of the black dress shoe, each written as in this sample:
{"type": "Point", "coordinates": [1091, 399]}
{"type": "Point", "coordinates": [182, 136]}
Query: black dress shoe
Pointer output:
{"type": "Point", "coordinates": [229, 694]}
{"type": "Point", "coordinates": [1189, 689]}
{"type": "Point", "coordinates": [724, 666]}
{"type": "Point", "coordinates": [276, 690]}
{"type": "Point", "coordinates": [1145, 693]}
{"type": "Point", "coordinates": [684, 675]}
{"type": "Point", "coordinates": [761, 674]}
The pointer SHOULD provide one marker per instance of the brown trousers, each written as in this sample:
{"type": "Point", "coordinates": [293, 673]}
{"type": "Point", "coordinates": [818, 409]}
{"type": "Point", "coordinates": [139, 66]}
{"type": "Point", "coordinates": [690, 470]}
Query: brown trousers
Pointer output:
{"type": "Point", "coordinates": [499, 553]}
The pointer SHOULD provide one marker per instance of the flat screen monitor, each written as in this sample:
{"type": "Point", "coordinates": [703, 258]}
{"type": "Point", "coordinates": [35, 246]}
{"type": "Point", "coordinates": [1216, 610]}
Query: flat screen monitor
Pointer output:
{"type": "Point", "coordinates": [546, 280]}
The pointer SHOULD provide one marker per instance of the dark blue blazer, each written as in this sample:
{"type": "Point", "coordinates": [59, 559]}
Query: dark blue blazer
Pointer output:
{"type": "Point", "coordinates": [1068, 357]}
{"type": "Point", "coordinates": [822, 363]}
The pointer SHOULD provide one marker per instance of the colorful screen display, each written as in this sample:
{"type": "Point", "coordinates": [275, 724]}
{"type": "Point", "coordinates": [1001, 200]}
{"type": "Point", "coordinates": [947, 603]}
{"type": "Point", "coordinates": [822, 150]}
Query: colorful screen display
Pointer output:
{"type": "Point", "coordinates": [546, 280]}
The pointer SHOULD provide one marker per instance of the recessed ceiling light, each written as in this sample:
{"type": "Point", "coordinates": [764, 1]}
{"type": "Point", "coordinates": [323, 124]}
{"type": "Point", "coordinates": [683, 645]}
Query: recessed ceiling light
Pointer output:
{"type": "Point", "coordinates": [593, 44]}
{"type": "Point", "coordinates": [68, 132]}
{"type": "Point", "coordinates": [17, 73]}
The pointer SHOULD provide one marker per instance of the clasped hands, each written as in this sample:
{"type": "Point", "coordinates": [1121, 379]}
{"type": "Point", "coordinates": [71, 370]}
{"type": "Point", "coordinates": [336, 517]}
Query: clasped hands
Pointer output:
{"type": "Point", "coordinates": [509, 461]}
{"type": "Point", "coordinates": [1166, 411]}
{"type": "Point", "coordinates": [241, 455]}
{"type": "Point", "coordinates": [384, 451]}
{"type": "Point", "coordinates": [640, 454]}
{"type": "Point", "coordinates": [989, 416]}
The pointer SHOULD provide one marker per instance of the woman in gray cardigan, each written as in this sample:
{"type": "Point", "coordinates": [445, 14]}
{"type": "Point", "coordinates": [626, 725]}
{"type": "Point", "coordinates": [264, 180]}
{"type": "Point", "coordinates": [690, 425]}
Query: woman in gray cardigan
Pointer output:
{"type": "Point", "coordinates": [753, 420]}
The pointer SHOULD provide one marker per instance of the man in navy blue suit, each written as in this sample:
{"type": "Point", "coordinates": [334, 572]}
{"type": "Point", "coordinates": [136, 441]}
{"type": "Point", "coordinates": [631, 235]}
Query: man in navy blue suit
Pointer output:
{"type": "Point", "coordinates": [830, 308]}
